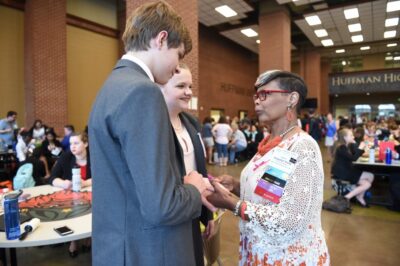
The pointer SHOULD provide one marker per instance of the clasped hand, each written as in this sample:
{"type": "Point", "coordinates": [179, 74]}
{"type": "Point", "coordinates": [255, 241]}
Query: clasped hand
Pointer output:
{"type": "Point", "coordinates": [215, 194]}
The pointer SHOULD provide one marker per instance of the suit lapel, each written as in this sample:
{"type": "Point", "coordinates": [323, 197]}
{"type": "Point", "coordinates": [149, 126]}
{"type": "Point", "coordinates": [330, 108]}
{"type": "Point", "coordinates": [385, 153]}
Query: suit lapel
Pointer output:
{"type": "Point", "coordinates": [179, 154]}
{"type": "Point", "coordinates": [197, 145]}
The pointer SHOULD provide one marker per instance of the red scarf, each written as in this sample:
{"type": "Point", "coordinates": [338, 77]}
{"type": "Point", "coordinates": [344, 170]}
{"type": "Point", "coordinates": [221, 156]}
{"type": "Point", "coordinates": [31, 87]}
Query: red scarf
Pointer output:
{"type": "Point", "coordinates": [264, 146]}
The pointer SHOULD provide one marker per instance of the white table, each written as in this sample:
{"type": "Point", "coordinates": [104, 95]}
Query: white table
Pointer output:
{"type": "Point", "coordinates": [45, 234]}
{"type": "Point", "coordinates": [379, 169]}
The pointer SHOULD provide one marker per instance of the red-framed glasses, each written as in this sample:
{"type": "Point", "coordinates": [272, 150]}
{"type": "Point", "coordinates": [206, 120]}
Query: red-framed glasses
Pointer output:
{"type": "Point", "coordinates": [262, 94]}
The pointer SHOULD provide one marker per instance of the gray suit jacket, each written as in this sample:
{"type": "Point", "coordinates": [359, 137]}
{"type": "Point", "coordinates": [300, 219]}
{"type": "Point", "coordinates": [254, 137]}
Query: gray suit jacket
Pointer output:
{"type": "Point", "coordinates": [142, 211]}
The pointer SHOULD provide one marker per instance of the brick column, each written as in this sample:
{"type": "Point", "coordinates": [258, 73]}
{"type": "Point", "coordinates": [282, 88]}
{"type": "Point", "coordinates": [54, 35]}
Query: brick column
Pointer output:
{"type": "Point", "coordinates": [325, 70]}
{"type": "Point", "coordinates": [310, 65]}
{"type": "Point", "coordinates": [274, 32]}
{"type": "Point", "coordinates": [188, 10]}
{"type": "Point", "coordinates": [45, 63]}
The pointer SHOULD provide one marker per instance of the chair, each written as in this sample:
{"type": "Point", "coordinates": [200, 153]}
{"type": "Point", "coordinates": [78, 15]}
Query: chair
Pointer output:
{"type": "Point", "coordinates": [342, 187]}
{"type": "Point", "coordinates": [211, 247]}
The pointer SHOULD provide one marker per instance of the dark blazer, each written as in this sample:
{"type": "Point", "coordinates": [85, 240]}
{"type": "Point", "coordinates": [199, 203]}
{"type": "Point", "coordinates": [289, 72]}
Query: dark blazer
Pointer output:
{"type": "Point", "coordinates": [63, 167]}
{"type": "Point", "coordinates": [342, 166]}
{"type": "Point", "coordinates": [194, 129]}
{"type": "Point", "coordinates": [142, 212]}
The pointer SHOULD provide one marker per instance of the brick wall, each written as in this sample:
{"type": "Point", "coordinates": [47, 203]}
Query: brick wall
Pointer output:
{"type": "Point", "coordinates": [227, 75]}
{"type": "Point", "coordinates": [45, 63]}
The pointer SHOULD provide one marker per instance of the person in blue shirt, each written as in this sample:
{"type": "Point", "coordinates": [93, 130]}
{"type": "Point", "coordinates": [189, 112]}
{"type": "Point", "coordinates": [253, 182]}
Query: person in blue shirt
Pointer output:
{"type": "Point", "coordinates": [68, 130]}
{"type": "Point", "coordinates": [330, 134]}
{"type": "Point", "coordinates": [7, 127]}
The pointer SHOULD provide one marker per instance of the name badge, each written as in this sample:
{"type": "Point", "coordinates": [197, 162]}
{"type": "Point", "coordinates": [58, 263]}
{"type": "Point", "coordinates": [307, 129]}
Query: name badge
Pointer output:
{"type": "Point", "coordinates": [272, 183]}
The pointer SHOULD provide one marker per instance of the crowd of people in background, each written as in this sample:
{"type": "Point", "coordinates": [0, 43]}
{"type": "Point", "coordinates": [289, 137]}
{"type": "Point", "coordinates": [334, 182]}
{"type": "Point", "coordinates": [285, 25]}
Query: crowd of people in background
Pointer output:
{"type": "Point", "coordinates": [346, 139]}
{"type": "Point", "coordinates": [51, 158]}
{"type": "Point", "coordinates": [232, 140]}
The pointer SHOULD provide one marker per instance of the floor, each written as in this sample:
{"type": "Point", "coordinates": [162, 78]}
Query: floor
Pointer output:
{"type": "Point", "coordinates": [365, 237]}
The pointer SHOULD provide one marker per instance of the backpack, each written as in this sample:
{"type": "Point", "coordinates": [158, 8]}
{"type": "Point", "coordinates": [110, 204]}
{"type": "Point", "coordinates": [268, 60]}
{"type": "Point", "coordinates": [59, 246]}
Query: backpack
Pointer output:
{"type": "Point", "coordinates": [337, 204]}
{"type": "Point", "coordinates": [24, 178]}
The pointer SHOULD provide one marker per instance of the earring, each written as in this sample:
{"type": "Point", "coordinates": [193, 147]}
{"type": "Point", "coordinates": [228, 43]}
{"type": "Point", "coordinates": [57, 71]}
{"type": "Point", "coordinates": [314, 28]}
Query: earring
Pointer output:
{"type": "Point", "coordinates": [290, 116]}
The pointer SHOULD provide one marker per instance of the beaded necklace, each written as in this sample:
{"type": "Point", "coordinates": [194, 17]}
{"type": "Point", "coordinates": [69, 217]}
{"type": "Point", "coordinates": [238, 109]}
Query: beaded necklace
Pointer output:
{"type": "Point", "coordinates": [265, 145]}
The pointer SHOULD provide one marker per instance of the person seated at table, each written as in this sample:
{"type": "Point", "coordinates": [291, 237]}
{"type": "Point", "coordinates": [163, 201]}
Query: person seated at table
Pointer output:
{"type": "Point", "coordinates": [68, 130]}
{"type": "Point", "coordinates": [346, 152]}
{"type": "Point", "coordinates": [78, 156]}
{"type": "Point", "coordinates": [22, 146]}
{"type": "Point", "coordinates": [38, 130]}
{"type": "Point", "coordinates": [237, 144]}
{"type": "Point", "coordinates": [40, 169]}
{"type": "Point", "coordinates": [61, 174]}
{"type": "Point", "coordinates": [370, 131]}
{"type": "Point", "coordinates": [51, 147]}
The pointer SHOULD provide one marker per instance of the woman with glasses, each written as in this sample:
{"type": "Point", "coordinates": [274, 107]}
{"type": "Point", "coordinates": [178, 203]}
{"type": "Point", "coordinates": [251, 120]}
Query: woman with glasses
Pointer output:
{"type": "Point", "coordinates": [281, 189]}
{"type": "Point", "coordinates": [177, 94]}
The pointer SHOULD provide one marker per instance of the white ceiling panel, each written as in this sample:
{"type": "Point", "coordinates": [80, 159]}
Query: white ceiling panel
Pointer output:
{"type": "Point", "coordinates": [372, 17]}
{"type": "Point", "coordinates": [238, 37]}
{"type": "Point", "coordinates": [209, 17]}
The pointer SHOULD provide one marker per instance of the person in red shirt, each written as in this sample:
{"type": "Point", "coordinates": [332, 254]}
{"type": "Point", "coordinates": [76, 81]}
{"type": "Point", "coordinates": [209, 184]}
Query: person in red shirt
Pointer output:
{"type": "Point", "coordinates": [61, 174]}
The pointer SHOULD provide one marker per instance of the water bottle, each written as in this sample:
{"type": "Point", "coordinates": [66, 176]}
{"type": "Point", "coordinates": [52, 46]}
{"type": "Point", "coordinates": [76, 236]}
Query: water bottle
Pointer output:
{"type": "Point", "coordinates": [372, 155]}
{"type": "Point", "coordinates": [11, 215]}
{"type": "Point", "coordinates": [388, 156]}
{"type": "Point", "coordinates": [76, 179]}
{"type": "Point", "coordinates": [376, 143]}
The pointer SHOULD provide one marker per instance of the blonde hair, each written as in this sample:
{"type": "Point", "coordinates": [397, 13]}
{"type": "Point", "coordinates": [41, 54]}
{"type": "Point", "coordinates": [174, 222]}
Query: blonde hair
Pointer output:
{"type": "Point", "coordinates": [340, 141]}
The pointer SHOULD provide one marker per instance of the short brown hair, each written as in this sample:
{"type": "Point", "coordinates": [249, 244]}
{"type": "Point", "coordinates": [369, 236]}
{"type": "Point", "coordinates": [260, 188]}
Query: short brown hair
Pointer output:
{"type": "Point", "coordinates": [150, 19]}
{"type": "Point", "coordinates": [82, 135]}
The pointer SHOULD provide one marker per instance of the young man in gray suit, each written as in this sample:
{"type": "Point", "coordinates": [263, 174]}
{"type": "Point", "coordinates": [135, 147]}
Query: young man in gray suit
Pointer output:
{"type": "Point", "coordinates": [142, 205]}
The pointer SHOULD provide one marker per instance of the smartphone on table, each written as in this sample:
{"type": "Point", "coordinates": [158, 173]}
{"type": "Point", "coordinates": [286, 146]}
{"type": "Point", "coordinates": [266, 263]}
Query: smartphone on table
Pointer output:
{"type": "Point", "coordinates": [63, 230]}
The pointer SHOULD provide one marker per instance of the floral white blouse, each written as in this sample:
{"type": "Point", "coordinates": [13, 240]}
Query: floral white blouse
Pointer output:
{"type": "Point", "coordinates": [290, 232]}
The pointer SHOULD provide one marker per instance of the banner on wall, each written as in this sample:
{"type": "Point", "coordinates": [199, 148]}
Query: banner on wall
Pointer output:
{"type": "Point", "coordinates": [368, 81]}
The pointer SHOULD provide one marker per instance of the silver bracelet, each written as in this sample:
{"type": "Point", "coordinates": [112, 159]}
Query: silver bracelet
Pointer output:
{"type": "Point", "coordinates": [236, 212]}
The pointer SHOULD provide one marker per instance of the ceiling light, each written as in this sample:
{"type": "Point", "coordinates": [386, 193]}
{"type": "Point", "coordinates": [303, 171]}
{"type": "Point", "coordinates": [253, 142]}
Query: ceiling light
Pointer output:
{"type": "Point", "coordinates": [391, 22]}
{"type": "Point", "coordinates": [391, 44]}
{"type": "Point", "coordinates": [364, 48]}
{"type": "Point", "coordinates": [327, 42]}
{"type": "Point", "coordinates": [354, 27]}
{"type": "Point", "coordinates": [389, 34]}
{"type": "Point", "coordinates": [321, 33]}
{"type": "Point", "coordinates": [226, 11]}
{"type": "Point", "coordinates": [343, 63]}
{"type": "Point", "coordinates": [389, 58]}
{"type": "Point", "coordinates": [351, 13]}
{"type": "Point", "coordinates": [258, 41]}
{"type": "Point", "coordinates": [313, 20]}
{"type": "Point", "coordinates": [340, 51]}
{"type": "Point", "coordinates": [393, 6]}
{"type": "Point", "coordinates": [249, 32]}
{"type": "Point", "coordinates": [357, 38]}
{"type": "Point", "coordinates": [396, 58]}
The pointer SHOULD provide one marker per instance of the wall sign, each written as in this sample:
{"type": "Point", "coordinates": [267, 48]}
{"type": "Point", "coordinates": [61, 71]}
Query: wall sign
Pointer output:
{"type": "Point", "coordinates": [376, 81]}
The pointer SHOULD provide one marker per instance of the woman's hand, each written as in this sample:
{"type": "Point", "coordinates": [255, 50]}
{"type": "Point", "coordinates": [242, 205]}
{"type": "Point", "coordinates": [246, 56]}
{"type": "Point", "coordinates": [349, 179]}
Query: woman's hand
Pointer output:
{"type": "Point", "coordinates": [230, 183]}
{"type": "Point", "coordinates": [227, 181]}
{"type": "Point", "coordinates": [222, 197]}
{"type": "Point", "coordinates": [362, 145]}
{"type": "Point", "coordinates": [210, 230]}
{"type": "Point", "coordinates": [66, 184]}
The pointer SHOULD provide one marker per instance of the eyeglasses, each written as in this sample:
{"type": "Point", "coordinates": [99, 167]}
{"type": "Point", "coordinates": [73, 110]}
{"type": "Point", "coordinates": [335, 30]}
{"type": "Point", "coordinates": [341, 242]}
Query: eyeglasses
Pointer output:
{"type": "Point", "coordinates": [262, 95]}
